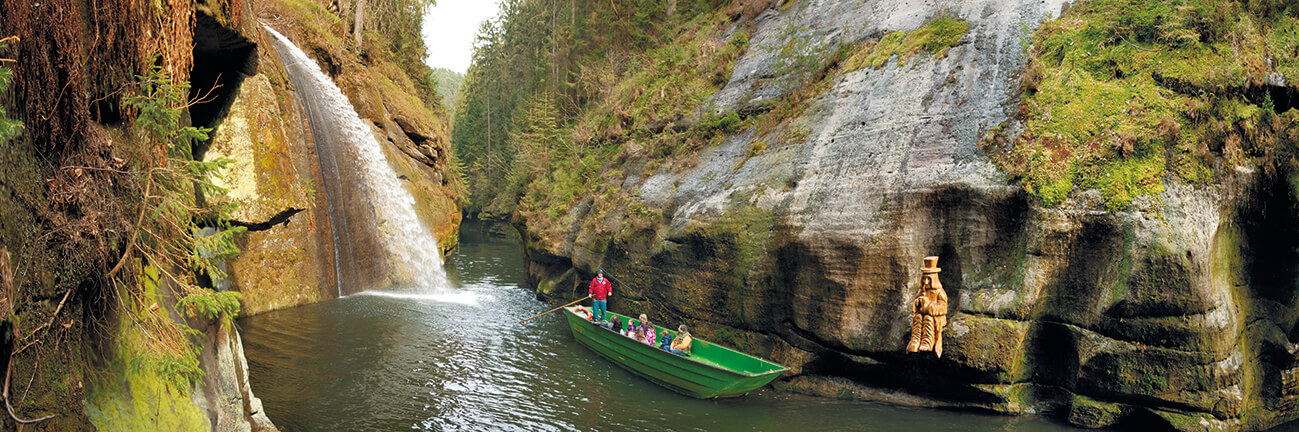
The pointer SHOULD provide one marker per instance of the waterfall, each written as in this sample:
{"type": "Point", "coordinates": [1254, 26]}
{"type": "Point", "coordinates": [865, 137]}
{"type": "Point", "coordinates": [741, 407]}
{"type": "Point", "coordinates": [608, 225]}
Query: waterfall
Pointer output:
{"type": "Point", "coordinates": [414, 252]}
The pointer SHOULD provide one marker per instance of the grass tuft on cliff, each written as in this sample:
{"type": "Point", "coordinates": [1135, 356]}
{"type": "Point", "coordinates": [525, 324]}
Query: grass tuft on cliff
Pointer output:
{"type": "Point", "coordinates": [1121, 96]}
{"type": "Point", "coordinates": [934, 38]}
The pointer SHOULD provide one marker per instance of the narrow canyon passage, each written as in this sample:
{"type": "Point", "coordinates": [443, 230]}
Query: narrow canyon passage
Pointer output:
{"type": "Point", "coordinates": [384, 360]}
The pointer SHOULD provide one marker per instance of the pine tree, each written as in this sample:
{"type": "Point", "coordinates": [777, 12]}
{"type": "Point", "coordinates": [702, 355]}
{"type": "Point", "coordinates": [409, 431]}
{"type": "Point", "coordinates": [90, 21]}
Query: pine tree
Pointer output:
{"type": "Point", "coordinates": [9, 128]}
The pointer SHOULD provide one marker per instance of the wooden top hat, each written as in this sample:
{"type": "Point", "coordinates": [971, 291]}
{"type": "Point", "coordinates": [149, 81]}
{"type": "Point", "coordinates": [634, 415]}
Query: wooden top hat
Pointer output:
{"type": "Point", "coordinates": [931, 265]}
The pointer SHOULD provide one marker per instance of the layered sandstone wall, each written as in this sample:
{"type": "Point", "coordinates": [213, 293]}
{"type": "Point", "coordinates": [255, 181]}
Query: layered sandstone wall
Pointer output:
{"type": "Point", "coordinates": [809, 251]}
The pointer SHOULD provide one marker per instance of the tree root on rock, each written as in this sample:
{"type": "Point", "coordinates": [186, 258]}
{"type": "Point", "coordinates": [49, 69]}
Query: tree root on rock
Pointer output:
{"type": "Point", "coordinates": [9, 368]}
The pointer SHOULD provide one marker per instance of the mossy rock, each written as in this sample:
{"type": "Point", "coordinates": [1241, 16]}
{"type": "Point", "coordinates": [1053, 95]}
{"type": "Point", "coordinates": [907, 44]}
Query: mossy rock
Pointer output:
{"type": "Point", "coordinates": [270, 173]}
{"type": "Point", "coordinates": [1091, 413]}
{"type": "Point", "coordinates": [1024, 398]}
{"type": "Point", "coordinates": [1191, 379]}
{"type": "Point", "coordinates": [992, 347]}
{"type": "Point", "coordinates": [1186, 333]}
{"type": "Point", "coordinates": [1195, 422]}
{"type": "Point", "coordinates": [1163, 284]}
{"type": "Point", "coordinates": [131, 393]}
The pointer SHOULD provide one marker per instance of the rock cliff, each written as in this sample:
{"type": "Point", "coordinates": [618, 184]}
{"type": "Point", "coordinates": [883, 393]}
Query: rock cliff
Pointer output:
{"type": "Point", "coordinates": [277, 168]}
{"type": "Point", "coordinates": [274, 170]}
{"type": "Point", "coordinates": [806, 247]}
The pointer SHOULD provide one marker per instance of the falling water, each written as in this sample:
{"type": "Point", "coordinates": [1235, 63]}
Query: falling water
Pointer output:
{"type": "Point", "coordinates": [407, 240]}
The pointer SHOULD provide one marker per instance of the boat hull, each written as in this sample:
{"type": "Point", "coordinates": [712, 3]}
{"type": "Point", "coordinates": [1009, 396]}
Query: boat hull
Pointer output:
{"type": "Point", "coordinates": [696, 376]}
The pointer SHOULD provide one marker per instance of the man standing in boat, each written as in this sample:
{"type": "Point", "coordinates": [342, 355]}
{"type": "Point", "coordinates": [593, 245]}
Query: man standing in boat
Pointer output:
{"type": "Point", "coordinates": [600, 291]}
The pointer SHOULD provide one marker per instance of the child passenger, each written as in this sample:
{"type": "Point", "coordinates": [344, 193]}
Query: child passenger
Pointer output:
{"type": "Point", "coordinates": [648, 329]}
{"type": "Point", "coordinates": [614, 324]}
{"type": "Point", "coordinates": [638, 332]}
{"type": "Point", "coordinates": [665, 341]}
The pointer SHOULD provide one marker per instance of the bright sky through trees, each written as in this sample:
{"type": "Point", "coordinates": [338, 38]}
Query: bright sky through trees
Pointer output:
{"type": "Point", "coordinates": [449, 31]}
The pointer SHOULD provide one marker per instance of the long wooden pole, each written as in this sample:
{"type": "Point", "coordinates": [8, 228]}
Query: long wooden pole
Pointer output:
{"type": "Point", "coordinates": [558, 308]}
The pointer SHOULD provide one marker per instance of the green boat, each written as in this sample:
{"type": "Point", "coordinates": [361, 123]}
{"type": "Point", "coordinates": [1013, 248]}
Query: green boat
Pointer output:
{"type": "Point", "coordinates": [711, 371]}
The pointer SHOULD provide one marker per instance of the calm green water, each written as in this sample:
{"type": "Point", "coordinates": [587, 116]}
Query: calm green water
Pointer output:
{"type": "Point", "coordinates": [395, 361]}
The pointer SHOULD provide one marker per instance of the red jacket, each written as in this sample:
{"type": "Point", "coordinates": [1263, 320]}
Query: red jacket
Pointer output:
{"type": "Point", "coordinates": [600, 288]}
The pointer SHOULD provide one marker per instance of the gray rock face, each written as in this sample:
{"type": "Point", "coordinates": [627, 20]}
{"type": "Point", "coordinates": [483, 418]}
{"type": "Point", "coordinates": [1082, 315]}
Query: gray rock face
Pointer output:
{"type": "Point", "coordinates": [225, 393]}
{"type": "Point", "coordinates": [809, 252]}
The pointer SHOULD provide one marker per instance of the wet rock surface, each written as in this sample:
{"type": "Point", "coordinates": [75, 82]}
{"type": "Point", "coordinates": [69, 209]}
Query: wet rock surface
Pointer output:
{"type": "Point", "coordinates": [273, 169]}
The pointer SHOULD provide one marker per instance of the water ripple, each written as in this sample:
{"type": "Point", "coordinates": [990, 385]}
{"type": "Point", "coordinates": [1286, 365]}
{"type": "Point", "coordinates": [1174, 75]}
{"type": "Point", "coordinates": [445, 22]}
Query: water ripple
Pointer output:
{"type": "Point", "coordinates": [396, 360]}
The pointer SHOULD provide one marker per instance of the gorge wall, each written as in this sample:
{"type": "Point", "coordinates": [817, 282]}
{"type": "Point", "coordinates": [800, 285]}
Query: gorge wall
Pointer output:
{"type": "Point", "coordinates": [803, 243]}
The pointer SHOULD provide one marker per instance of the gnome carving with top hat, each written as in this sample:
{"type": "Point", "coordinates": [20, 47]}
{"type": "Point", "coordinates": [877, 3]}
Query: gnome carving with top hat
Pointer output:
{"type": "Point", "coordinates": [929, 311]}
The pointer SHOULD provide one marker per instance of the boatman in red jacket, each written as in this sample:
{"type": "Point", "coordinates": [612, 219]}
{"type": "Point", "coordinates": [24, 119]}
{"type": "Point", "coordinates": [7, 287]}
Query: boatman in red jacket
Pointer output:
{"type": "Point", "coordinates": [600, 291]}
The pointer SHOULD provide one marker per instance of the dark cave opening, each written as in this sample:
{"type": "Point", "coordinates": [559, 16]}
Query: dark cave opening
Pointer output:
{"type": "Point", "coordinates": [1271, 229]}
{"type": "Point", "coordinates": [1278, 98]}
{"type": "Point", "coordinates": [222, 58]}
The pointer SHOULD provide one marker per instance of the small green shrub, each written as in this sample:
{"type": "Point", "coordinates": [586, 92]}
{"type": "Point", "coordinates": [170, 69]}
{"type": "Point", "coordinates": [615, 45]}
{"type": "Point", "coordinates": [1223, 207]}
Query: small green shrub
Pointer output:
{"type": "Point", "coordinates": [9, 128]}
{"type": "Point", "coordinates": [739, 40]}
{"type": "Point", "coordinates": [211, 304]}
{"type": "Point", "coordinates": [711, 123]}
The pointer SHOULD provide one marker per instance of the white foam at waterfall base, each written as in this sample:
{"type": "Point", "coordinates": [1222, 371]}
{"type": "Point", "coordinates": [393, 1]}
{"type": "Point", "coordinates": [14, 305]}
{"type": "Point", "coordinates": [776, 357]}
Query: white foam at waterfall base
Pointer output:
{"type": "Point", "coordinates": [406, 239]}
{"type": "Point", "coordinates": [467, 298]}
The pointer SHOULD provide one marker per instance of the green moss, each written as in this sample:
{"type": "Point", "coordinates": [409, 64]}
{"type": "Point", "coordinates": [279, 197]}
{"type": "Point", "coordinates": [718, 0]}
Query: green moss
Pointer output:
{"type": "Point", "coordinates": [1119, 95]}
{"type": "Point", "coordinates": [131, 399]}
{"type": "Point", "coordinates": [1016, 398]}
{"type": "Point", "coordinates": [1121, 181]}
{"type": "Point", "coordinates": [880, 53]}
{"type": "Point", "coordinates": [993, 346]}
{"type": "Point", "coordinates": [1091, 413]}
{"type": "Point", "coordinates": [1189, 421]}
{"type": "Point", "coordinates": [1283, 43]}
{"type": "Point", "coordinates": [139, 388]}
{"type": "Point", "coordinates": [746, 229]}
{"type": "Point", "coordinates": [934, 38]}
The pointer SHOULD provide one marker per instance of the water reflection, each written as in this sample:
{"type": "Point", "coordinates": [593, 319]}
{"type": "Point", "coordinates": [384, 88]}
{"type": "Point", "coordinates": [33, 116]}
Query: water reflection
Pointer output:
{"type": "Point", "coordinates": [404, 361]}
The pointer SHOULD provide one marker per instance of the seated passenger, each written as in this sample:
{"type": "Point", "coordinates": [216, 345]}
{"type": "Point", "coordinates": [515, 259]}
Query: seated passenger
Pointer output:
{"type": "Point", "coordinates": [649, 336]}
{"type": "Point", "coordinates": [682, 345]}
{"type": "Point", "coordinates": [614, 324]}
{"type": "Point", "coordinates": [638, 332]}
{"type": "Point", "coordinates": [665, 341]}
{"type": "Point", "coordinates": [631, 328]}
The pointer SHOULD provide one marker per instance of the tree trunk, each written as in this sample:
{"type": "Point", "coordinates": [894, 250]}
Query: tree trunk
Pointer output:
{"type": "Point", "coordinates": [359, 25]}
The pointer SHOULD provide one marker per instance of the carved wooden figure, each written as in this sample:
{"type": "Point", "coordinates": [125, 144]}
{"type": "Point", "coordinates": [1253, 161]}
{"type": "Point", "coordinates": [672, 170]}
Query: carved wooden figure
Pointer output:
{"type": "Point", "coordinates": [929, 311]}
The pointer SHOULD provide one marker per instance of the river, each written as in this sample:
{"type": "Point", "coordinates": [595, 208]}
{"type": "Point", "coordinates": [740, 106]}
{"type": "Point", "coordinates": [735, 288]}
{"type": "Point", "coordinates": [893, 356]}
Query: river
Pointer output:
{"type": "Point", "coordinates": [461, 362]}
